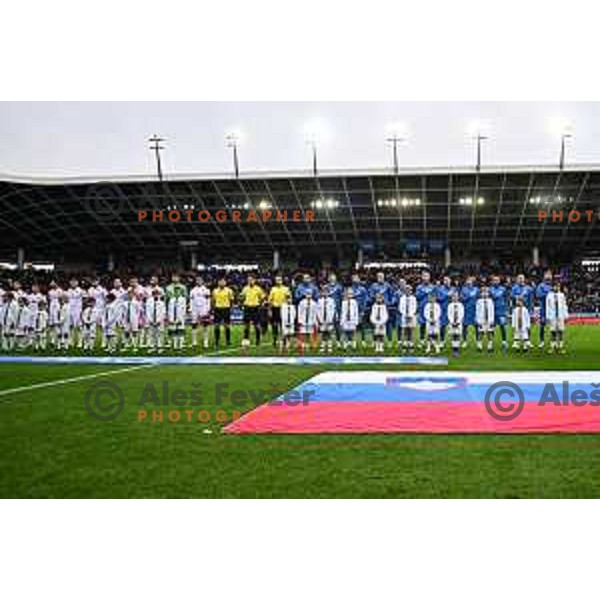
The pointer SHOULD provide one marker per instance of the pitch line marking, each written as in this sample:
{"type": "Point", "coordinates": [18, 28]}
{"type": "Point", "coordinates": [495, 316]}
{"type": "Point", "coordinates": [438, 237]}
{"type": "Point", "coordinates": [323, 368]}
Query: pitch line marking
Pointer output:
{"type": "Point", "coordinates": [46, 384]}
{"type": "Point", "coordinates": [55, 383]}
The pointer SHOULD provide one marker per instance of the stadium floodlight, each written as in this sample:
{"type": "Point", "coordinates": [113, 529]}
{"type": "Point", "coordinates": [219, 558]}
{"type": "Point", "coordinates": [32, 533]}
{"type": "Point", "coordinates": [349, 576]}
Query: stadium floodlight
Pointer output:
{"type": "Point", "coordinates": [316, 132]}
{"type": "Point", "coordinates": [233, 139]}
{"type": "Point", "coordinates": [396, 134]}
{"type": "Point", "coordinates": [155, 144]}
{"type": "Point", "coordinates": [479, 131]}
{"type": "Point", "coordinates": [562, 128]}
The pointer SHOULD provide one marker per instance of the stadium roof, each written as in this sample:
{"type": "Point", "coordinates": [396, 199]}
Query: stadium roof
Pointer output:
{"type": "Point", "coordinates": [490, 213]}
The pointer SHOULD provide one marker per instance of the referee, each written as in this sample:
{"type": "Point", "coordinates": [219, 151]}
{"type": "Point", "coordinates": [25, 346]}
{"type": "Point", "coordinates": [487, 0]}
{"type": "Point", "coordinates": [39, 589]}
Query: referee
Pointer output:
{"type": "Point", "coordinates": [252, 298]}
{"type": "Point", "coordinates": [278, 296]}
{"type": "Point", "coordinates": [222, 297]}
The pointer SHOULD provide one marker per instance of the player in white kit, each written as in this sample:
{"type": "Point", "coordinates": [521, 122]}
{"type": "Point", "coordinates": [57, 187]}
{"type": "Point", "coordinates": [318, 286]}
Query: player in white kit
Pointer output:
{"type": "Point", "coordinates": [288, 324]}
{"type": "Point", "coordinates": [556, 317]}
{"type": "Point", "coordinates": [155, 320]}
{"type": "Point", "coordinates": [485, 320]}
{"type": "Point", "coordinates": [307, 319]}
{"type": "Point", "coordinates": [89, 323]}
{"type": "Point", "coordinates": [75, 295]}
{"type": "Point", "coordinates": [9, 321]}
{"type": "Point", "coordinates": [40, 326]}
{"type": "Point", "coordinates": [22, 323]}
{"type": "Point", "coordinates": [131, 321]}
{"type": "Point", "coordinates": [521, 324]}
{"type": "Point", "coordinates": [64, 323]}
{"type": "Point", "coordinates": [432, 313]}
{"type": "Point", "coordinates": [54, 295]}
{"type": "Point", "coordinates": [349, 319]}
{"type": "Point", "coordinates": [379, 319]}
{"type": "Point", "coordinates": [200, 311]}
{"type": "Point", "coordinates": [326, 318]}
{"type": "Point", "coordinates": [456, 317]}
{"type": "Point", "coordinates": [407, 312]}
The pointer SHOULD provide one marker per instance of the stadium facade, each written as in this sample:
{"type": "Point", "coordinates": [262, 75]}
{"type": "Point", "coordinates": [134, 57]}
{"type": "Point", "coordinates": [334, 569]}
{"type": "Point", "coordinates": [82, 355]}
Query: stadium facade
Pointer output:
{"type": "Point", "coordinates": [444, 214]}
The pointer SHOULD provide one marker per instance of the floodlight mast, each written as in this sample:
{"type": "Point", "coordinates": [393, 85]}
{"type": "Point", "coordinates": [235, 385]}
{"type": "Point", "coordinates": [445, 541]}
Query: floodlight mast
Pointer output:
{"type": "Point", "coordinates": [394, 141]}
{"type": "Point", "coordinates": [563, 139]}
{"type": "Point", "coordinates": [155, 142]}
{"type": "Point", "coordinates": [313, 145]}
{"type": "Point", "coordinates": [479, 138]}
{"type": "Point", "coordinates": [232, 140]}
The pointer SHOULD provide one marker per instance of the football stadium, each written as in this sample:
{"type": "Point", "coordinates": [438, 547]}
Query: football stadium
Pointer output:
{"type": "Point", "coordinates": [383, 333]}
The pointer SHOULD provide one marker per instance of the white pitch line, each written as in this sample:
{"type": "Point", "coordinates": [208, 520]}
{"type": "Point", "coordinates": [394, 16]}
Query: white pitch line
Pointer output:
{"type": "Point", "coordinates": [37, 386]}
{"type": "Point", "coordinates": [55, 383]}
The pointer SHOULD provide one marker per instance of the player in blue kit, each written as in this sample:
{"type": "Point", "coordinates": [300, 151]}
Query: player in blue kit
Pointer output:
{"type": "Point", "coordinates": [469, 294]}
{"type": "Point", "coordinates": [499, 295]}
{"type": "Point", "coordinates": [521, 289]}
{"type": "Point", "coordinates": [541, 293]}
{"type": "Point", "coordinates": [334, 290]}
{"type": "Point", "coordinates": [360, 294]}
{"type": "Point", "coordinates": [304, 288]}
{"type": "Point", "coordinates": [394, 298]}
{"type": "Point", "coordinates": [422, 293]}
{"type": "Point", "coordinates": [444, 294]}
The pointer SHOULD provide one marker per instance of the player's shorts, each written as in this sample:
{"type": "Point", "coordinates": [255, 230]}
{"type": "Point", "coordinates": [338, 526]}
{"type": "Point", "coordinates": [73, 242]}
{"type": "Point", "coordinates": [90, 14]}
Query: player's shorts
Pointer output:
{"type": "Point", "coordinates": [222, 316]}
{"type": "Point", "coordinates": [200, 317]}
{"type": "Point", "coordinates": [89, 331]}
{"type": "Point", "coordinates": [75, 318]}
{"type": "Point", "coordinates": [306, 329]}
{"type": "Point", "coordinates": [251, 315]}
{"type": "Point", "coordinates": [408, 322]}
{"type": "Point", "coordinates": [379, 329]}
{"type": "Point", "coordinates": [288, 330]}
{"type": "Point", "coordinates": [485, 328]}
{"type": "Point", "coordinates": [432, 329]}
{"type": "Point", "coordinates": [557, 325]}
{"type": "Point", "coordinates": [455, 330]}
{"type": "Point", "coordinates": [326, 328]}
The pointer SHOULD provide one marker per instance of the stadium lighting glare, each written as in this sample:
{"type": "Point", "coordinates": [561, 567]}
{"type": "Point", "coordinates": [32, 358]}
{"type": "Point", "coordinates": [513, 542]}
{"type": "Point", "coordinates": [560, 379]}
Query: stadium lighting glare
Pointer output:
{"type": "Point", "coordinates": [317, 132]}
{"type": "Point", "coordinates": [264, 205]}
{"type": "Point", "coordinates": [246, 205]}
{"type": "Point", "coordinates": [469, 201]}
{"type": "Point", "coordinates": [478, 128]}
{"type": "Point", "coordinates": [397, 130]}
{"type": "Point", "coordinates": [328, 204]}
{"type": "Point", "coordinates": [560, 126]}
{"type": "Point", "coordinates": [234, 136]}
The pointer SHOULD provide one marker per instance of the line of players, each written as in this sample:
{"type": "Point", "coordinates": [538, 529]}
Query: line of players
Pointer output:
{"type": "Point", "coordinates": [439, 312]}
{"type": "Point", "coordinates": [151, 317]}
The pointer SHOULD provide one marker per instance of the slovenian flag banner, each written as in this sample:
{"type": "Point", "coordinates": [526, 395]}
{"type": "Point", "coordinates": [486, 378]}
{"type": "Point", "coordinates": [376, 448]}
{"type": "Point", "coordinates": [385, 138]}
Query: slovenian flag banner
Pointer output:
{"type": "Point", "coordinates": [432, 402]}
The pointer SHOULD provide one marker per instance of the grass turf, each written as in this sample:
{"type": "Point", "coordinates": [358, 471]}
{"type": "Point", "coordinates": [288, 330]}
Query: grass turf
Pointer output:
{"type": "Point", "coordinates": [51, 447]}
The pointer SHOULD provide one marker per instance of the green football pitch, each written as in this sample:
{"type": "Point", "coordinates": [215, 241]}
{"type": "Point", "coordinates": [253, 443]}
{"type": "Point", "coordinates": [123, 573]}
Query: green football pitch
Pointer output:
{"type": "Point", "coordinates": [50, 446]}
